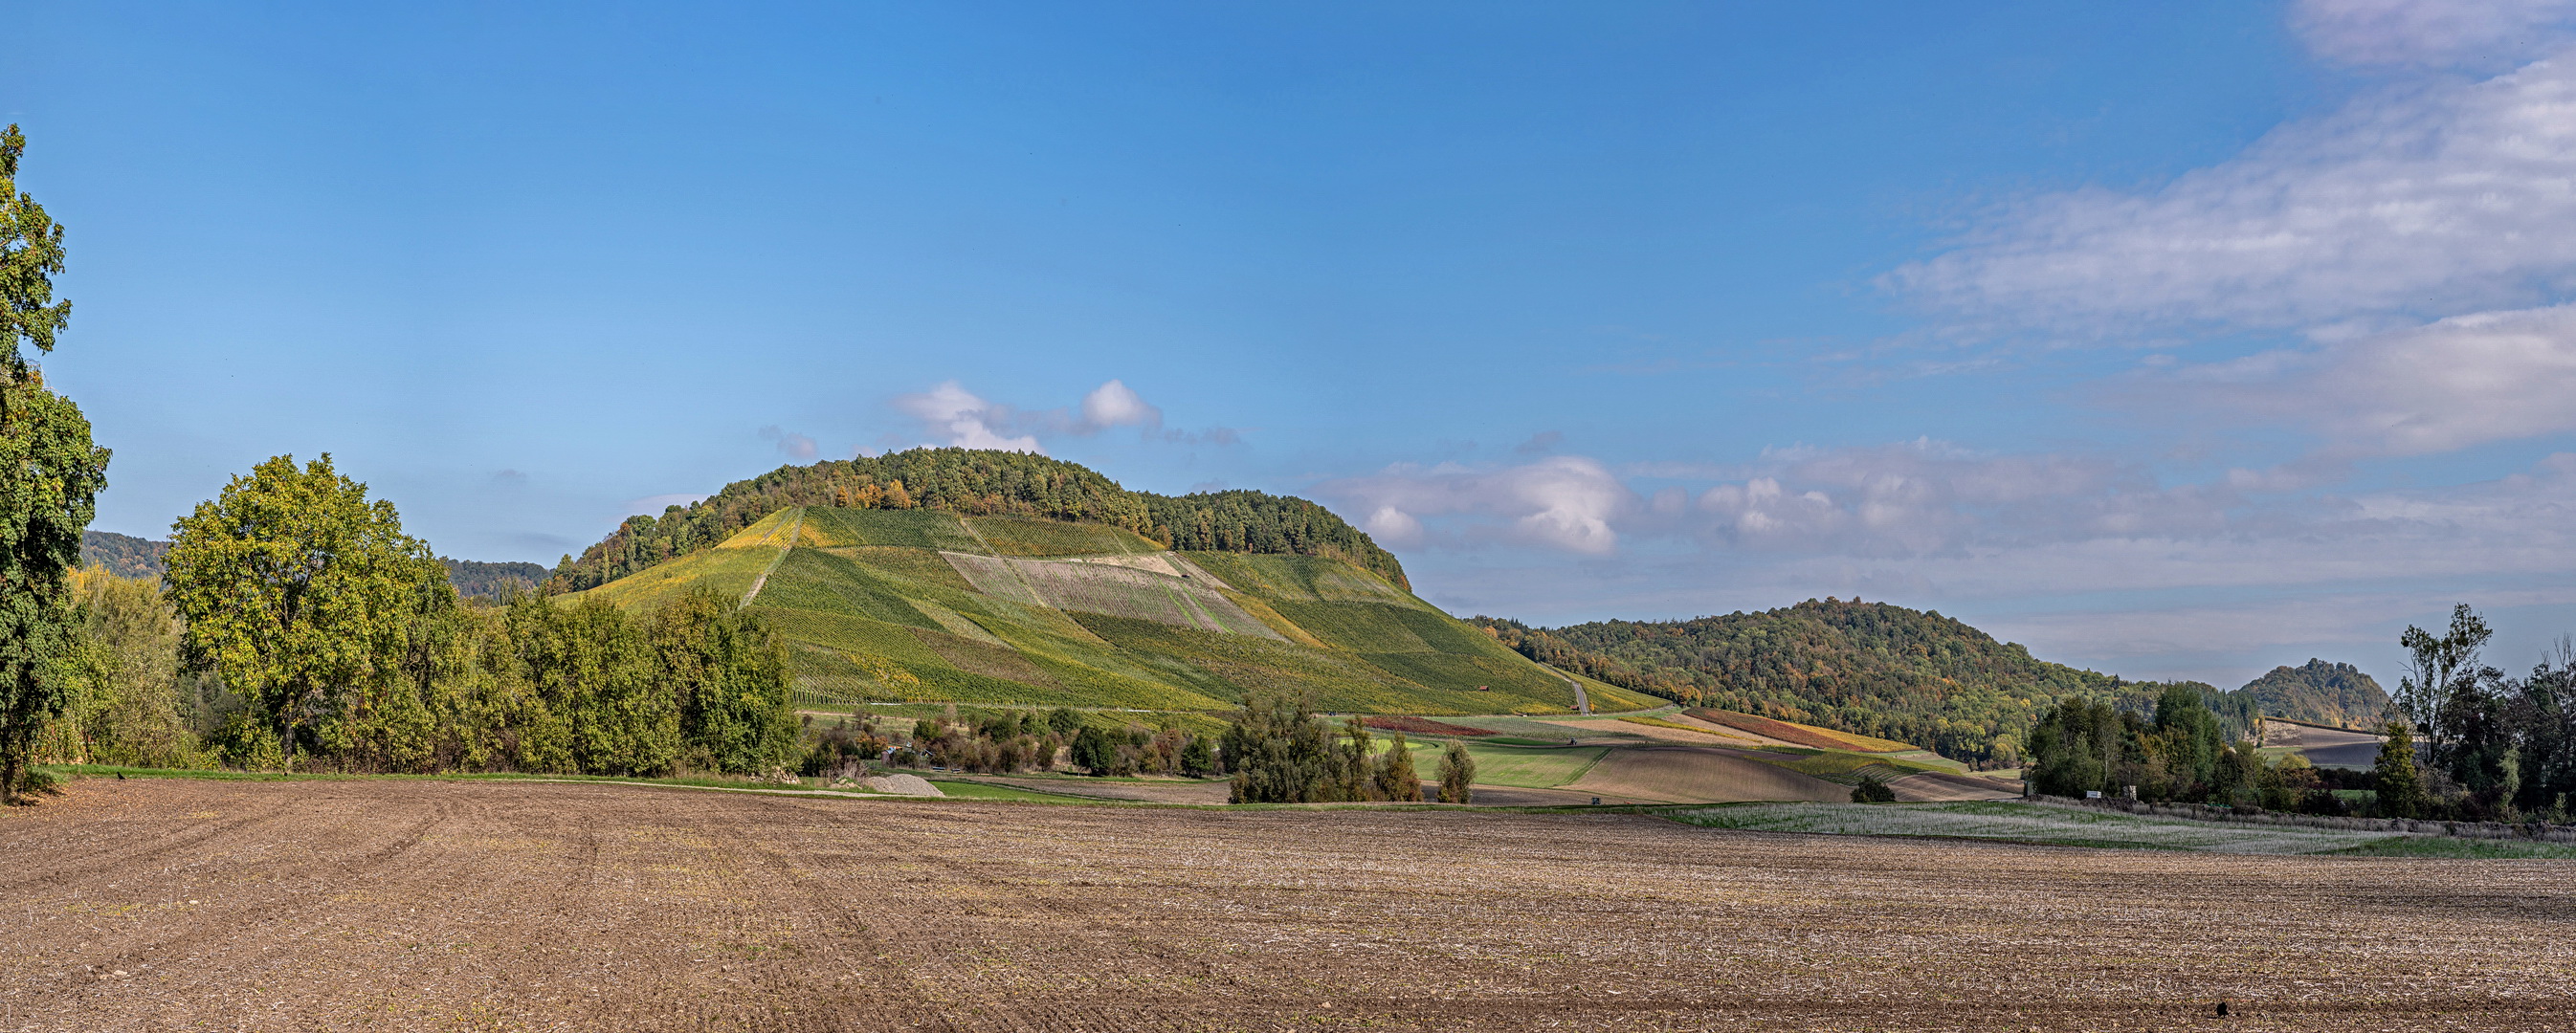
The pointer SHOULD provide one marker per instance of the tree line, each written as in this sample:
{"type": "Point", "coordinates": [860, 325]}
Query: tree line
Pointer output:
{"type": "Point", "coordinates": [2495, 746]}
{"type": "Point", "coordinates": [1282, 752]}
{"type": "Point", "coordinates": [298, 628]}
{"type": "Point", "coordinates": [1878, 670]}
{"type": "Point", "coordinates": [981, 482]}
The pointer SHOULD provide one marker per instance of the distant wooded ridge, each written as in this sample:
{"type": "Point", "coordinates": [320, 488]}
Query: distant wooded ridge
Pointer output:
{"type": "Point", "coordinates": [1897, 673]}
{"type": "Point", "coordinates": [125, 555]}
{"type": "Point", "coordinates": [983, 482]}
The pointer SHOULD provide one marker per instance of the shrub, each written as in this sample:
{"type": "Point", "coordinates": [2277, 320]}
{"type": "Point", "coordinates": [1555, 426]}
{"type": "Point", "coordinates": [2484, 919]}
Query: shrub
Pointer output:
{"type": "Point", "coordinates": [1457, 774]}
{"type": "Point", "coordinates": [1871, 790]}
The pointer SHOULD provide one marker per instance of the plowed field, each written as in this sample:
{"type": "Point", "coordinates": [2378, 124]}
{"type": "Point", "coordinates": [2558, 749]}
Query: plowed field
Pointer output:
{"type": "Point", "coordinates": [169, 905]}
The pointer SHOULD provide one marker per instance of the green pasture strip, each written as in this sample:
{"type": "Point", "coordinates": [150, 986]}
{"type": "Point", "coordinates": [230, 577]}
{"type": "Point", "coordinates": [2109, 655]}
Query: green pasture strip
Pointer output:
{"type": "Point", "coordinates": [2027, 823]}
{"type": "Point", "coordinates": [2454, 846]}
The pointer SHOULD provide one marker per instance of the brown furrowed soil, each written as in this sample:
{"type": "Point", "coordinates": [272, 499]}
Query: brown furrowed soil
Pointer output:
{"type": "Point", "coordinates": [1946, 787]}
{"type": "Point", "coordinates": [381, 904]}
{"type": "Point", "coordinates": [1685, 774]}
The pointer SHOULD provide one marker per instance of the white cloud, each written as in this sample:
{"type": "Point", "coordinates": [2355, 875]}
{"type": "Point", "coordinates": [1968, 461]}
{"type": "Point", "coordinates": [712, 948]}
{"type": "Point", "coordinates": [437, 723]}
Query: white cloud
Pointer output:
{"type": "Point", "coordinates": [965, 420]}
{"type": "Point", "coordinates": [1565, 503]}
{"type": "Point", "coordinates": [2430, 33]}
{"type": "Point", "coordinates": [2450, 384]}
{"type": "Point", "coordinates": [1114, 404]}
{"type": "Point", "coordinates": [2420, 200]}
{"type": "Point", "coordinates": [790, 444]}
{"type": "Point", "coordinates": [1393, 527]}
{"type": "Point", "coordinates": [1928, 497]}
{"type": "Point", "coordinates": [968, 421]}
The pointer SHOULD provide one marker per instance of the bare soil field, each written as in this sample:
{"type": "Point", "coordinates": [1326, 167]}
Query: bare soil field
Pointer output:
{"type": "Point", "coordinates": [1700, 774]}
{"type": "Point", "coordinates": [2324, 747]}
{"type": "Point", "coordinates": [397, 904]}
{"type": "Point", "coordinates": [1943, 786]}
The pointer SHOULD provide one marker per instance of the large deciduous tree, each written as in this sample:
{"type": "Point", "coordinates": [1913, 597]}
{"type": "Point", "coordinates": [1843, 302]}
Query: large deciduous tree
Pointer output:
{"type": "Point", "coordinates": [296, 588]}
{"type": "Point", "coordinates": [2443, 676]}
{"type": "Point", "coordinates": [50, 476]}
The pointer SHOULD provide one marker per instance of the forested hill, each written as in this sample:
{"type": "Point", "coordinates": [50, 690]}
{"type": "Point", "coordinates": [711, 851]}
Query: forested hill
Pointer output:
{"type": "Point", "coordinates": [979, 482]}
{"type": "Point", "coordinates": [1861, 667]}
{"type": "Point", "coordinates": [2320, 692]}
{"type": "Point", "coordinates": [122, 554]}
{"type": "Point", "coordinates": [127, 556]}
{"type": "Point", "coordinates": [482, 580]}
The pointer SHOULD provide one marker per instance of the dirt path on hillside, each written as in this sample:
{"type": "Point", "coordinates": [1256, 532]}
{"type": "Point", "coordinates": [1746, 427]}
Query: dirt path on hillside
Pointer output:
{"type": "Point", "coordinates": [181, 905]}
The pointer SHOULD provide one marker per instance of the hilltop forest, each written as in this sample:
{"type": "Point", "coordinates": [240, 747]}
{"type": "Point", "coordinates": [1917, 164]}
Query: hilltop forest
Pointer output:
{"type": "Point", "coordinates": [1879, 670]}
{"type": "Point", "coordinates": [976, 482]}
{"type": "Point", "coordinates": [1869, 668]}
{"type": "Point", "coordinates": [130, 557]}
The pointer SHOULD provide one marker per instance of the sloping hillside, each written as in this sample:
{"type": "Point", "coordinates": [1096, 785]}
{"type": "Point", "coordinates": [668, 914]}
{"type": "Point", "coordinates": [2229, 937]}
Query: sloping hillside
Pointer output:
{"type": "Point", "coordinates": [122, 554]}
{"type": "Point", "coordinates": [128, 556]}
{"type": "Point", "coordinates": [982, 482]}
{"type": "Point", "coordinates": [1868, 668]}
{"type": "Point", "coordinates": [2320, 693]}
{"type": "Point", "coordinates": [924, 604]}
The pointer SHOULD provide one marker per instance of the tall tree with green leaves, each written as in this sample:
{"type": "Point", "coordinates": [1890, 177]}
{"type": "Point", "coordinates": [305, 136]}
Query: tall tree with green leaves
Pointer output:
{"type": "Point", "coordinates": [2441, 669]}
{"type": "Point", "coordinates": [729, 676]}
{"type": "Point", "coordinates": [50, 477]}
{"type": "Point", "coordinates": [296, 587]}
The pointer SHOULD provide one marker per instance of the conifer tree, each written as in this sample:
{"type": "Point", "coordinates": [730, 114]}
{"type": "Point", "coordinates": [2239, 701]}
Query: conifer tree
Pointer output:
{"type": "Point", "coordinates": [1358, 779]}
{"type": "Point", "coordinates": [1457, 774]}
{"type": "Point", "coordinates": [50, 477]}
{"type": "Point", "coordinates": [2401, 786]}
{"type": "Point", "coordinates": [1395, 778]}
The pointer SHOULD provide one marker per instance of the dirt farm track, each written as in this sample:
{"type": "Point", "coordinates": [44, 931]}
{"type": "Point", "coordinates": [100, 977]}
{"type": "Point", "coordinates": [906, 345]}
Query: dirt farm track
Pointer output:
{"type": "Point", "coordinates": [185, 905]}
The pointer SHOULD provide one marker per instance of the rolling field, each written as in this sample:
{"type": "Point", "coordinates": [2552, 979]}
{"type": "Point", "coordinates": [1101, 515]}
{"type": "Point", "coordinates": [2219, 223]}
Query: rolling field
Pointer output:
{"type": "Point", "coordinates": [2324, 747]}
{"type": "Point", "coordinates": [415, 904]}
{"type": "Point", "coordinates": [921, 605]}
{"type": "Point", "coordinates": [1684, 774]}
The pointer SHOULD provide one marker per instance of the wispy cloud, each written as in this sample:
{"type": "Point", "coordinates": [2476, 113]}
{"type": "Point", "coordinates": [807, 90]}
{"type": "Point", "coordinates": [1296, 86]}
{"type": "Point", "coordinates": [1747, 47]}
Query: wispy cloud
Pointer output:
{"type": "Point", "coordinates": [790, 444]}
{"type": "Point", "coordinates": [1567, 503]}
{"type": "Point", "coordinates": [965, 419]}
{"type": "Point", "coordinates": [2450, 384]}
{"type": "Point", "coordinates": [2431, 33]}
{"type": "Point", "coordinates": [2424, 198]}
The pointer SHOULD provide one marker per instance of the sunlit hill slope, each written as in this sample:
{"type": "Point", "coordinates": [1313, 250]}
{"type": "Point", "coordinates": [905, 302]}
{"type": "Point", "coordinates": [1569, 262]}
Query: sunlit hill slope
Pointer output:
{"type": "Point", "coordinates": [923, 604]}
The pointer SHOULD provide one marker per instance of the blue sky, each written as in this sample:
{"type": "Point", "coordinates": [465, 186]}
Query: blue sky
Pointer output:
{"type": "Point", "coordinates": [2173, 340]}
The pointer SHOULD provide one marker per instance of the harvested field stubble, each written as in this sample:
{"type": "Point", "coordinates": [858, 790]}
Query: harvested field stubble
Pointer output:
{"type": "Point", "coordinates": [156, 904]}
